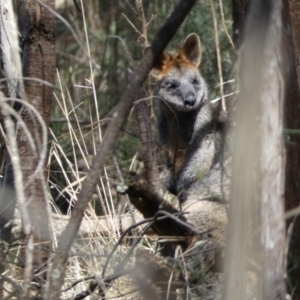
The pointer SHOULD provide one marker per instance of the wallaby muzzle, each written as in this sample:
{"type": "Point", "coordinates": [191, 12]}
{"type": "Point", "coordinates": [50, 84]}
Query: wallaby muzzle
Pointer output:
{"type": "Point", "coordinates": [189, 99]}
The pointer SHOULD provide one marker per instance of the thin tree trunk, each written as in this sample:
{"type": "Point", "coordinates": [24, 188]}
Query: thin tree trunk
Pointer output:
{"type": "Point", "coordinates": [11, 63]}
{"type": "Point", "coordinates": [36, 25]}
{"type": "Point", "coordinates": [12, 70]}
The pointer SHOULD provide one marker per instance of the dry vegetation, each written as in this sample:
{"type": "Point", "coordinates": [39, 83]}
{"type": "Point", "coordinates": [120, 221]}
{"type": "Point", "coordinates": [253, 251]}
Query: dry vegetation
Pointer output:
{"type": "Point", "coordinates": [114, 35]}
{"type": "Point", "coordinates": [89, 88]}
{"type": "Point", "coordinates": [97, 41]}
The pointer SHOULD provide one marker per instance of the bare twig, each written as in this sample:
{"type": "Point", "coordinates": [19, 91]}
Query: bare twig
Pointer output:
{"type": "Point", "coordinates": [149, 220]}
{"type": "Point", "coordinates": [218, 53]}
{"type": "Point", "coordinates": [132, 25]}
{"type": "Point", "coordinates": [78, 281]}
{"type": "Point", "coordinates": [139, 4]}
{"type": "Point", "coordinates": [28, 272]}
{"type": "Point", "coordinates": [224, 24]}
{"type": "Point", "coordinates": [292, 213]}
{"type": "Point", "coordinates": [105, 283]}
{"type": "Point", "coordinates": [131, 6]}
{"type": "Point", "coordinates": [45, 83]}
{"type": "Point", "coordinates": [143, 110]}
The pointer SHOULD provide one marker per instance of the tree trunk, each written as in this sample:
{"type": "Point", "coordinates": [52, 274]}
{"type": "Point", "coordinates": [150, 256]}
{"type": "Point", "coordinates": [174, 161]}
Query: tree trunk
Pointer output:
{"type": "Point", "coordinates": [13, 87]}
{"type": "Point", "coordinates": [259, 134]}
{"type": "Point", "coordinates": [291, 50]}
{"type": "Point", "coordinates": [239, 13]}
{"type": "Point", "coordinates": [36, 25]}
{"type": "Point", "coordinates": [292, 8]}
{"type": "Point", "coordinates": [273, 159]}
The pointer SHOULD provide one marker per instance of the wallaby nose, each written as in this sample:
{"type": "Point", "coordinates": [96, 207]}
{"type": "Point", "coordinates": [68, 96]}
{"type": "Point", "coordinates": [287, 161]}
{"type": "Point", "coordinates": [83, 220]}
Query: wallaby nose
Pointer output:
{"type": "Point", "coordinates": [190, 99]}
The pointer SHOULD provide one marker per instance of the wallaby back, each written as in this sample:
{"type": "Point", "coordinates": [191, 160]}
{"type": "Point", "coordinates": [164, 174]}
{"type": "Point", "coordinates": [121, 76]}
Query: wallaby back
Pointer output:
{"type": "Point", "coordinates": [189, 132]}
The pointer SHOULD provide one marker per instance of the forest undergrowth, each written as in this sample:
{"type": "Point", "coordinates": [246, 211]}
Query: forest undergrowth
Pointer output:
{"type": "Point", "coordinates": [96, 43]}
{"type": "Point", "coordinates": [90, 78]}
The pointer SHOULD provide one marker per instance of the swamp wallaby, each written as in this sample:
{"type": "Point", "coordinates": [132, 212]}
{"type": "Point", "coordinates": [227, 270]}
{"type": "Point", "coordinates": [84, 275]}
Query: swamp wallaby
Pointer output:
{"type": "Point", "coordinates": [188, 126]}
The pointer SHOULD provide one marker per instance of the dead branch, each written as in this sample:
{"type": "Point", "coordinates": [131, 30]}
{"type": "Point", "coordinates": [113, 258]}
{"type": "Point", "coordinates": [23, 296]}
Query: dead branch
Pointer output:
{"type": "Point", "coordinates": [89, 226]}
{"type": "Point", "coordinates": [150, 204]}
{"type": "Point", "coordinates": [148, 144]}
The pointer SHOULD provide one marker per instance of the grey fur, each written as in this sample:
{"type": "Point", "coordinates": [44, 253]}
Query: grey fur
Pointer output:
{"type": "Point", "coordinates": [189, 133]}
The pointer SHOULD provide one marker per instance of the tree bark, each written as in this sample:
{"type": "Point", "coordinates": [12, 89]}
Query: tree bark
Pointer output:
{"type": "Point", "coordinates": [12, 71]}
{"type": "Point", "coordinates": [36, 26]}
{"type": "Point", "coordinates": [292, 10]}
{"type": "Point", "coordinates": [291, 65]}
{"type": "Point", "coordinates": [148, 144]}
{"type": "Point", "coordinates": [239, 13]}
{"type": "Point", "coordinates": [273, 159]}
{"type": "Point", "coordinates": [261, 98]}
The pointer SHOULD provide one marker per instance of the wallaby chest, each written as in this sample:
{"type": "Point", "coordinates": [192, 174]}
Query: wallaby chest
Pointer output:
{"type": "Point", "coordinates": [186, 124]}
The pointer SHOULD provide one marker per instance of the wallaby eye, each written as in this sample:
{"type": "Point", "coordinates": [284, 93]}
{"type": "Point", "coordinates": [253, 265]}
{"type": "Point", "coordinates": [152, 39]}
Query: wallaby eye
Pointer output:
{"type": "Point", "coordinates": [196, 81]}
{"type": "Point", "coordinates": [171, 85]}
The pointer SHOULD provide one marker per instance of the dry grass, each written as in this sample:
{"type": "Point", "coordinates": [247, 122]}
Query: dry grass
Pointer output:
{"type": "Point", "coordinates": [78, 124]}
{"type": "Point", "coordinates": [80, 112]}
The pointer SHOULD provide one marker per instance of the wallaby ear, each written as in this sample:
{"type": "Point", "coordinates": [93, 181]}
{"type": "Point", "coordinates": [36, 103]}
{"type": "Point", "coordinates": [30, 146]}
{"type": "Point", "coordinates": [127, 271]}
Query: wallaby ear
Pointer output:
{"type": "Point", "coordinates": [160, 63]}
{"type": "Point", "coordinates": [191, 49]}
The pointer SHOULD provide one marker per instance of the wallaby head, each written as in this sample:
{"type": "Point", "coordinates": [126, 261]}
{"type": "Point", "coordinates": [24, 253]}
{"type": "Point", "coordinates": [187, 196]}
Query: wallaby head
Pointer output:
{"type": "Point", "coordinates": [179, 84]}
